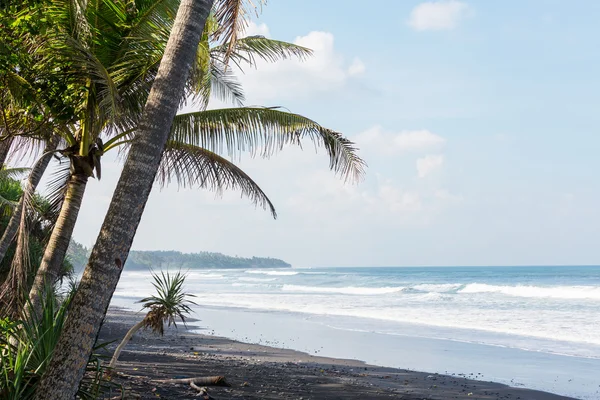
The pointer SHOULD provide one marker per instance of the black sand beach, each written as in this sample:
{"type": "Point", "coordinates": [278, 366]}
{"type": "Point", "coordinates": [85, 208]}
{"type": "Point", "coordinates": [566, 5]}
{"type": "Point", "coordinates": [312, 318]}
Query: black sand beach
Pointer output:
{"type": "Point", "coordinates": [261, 372]}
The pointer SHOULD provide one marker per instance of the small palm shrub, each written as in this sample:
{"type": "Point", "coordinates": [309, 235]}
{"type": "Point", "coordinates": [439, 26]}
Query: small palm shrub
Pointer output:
{"type": "Point", "coordinates": [170, 303]}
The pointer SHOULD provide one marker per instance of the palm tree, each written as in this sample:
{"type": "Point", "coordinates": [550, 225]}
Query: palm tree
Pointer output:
{"type": "Point", "coordinates": [38, 217]}
{"type": "Point", "coordinates": [170, 303]}
{"type": "Point", "coordinates": [126, 75]}
{"type": "Point", "coordinates": [190, 154]}
{"type": "Point", "coordinates": [33, 180]}
{"type": "Point", "coordinates": [110, 252]}
{"type": "Point", "coordinates": [145, 154]}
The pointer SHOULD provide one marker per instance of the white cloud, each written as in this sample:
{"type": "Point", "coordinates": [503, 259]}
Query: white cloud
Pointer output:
{"type": "Point", "coordinates": [397, 142]}
{"type": "Point", "coordinates": [317, 191]}
{"type": "Point", "coordinates": [438, 15]}
{"type": "Point", "coordinates": [426, 165]}
{"type": "Point", "coordinates": [443, 194]}
{"type": "Point", "coordinates": [253, 29]}
{"type": "Point", "coordinates": [397, 200]}
{"type": "Point", "coordinates": [357, 67]}
{"type": "Point", "coordinates": [324, 71]}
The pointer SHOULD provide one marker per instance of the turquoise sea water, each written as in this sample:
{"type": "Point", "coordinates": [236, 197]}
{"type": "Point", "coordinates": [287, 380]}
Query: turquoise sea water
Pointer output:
{"type": "Point", "coordinates": [541, 311]}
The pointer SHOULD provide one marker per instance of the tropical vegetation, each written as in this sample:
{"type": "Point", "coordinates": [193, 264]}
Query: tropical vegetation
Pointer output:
{"type": "Point", "coordinates": [27, 345]}
{"type": "Point", "coordinates": [80, 78]}
{"type": "Point", "coordinates": [78, 256]}
{"type": "Point", "coordinates": [170, 303]}
{"type": "Point", "coordinates": [39, 221]}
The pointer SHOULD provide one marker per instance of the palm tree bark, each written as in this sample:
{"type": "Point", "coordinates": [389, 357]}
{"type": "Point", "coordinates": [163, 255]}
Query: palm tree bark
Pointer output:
{"type": "Point", "coordinates": [57, 246]}
{"type": "Point", "coordinates": [32, 181]}
{"type": "Point", "coordinates": [4, 149]}
{"type": "Point", "coordinates": [101, 275]}
{"type": "Point", "coordinates": [126, 339]}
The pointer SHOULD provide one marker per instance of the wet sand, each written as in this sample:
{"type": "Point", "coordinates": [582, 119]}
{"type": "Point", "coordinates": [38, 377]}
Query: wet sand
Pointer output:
{"type": "Point", "coordinates": [261, 372]}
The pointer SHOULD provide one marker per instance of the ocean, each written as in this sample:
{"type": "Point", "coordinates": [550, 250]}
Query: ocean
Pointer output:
{"type": "Point", "coordinates": [531, 326]}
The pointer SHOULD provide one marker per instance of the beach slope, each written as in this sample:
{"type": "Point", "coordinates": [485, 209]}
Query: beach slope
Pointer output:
{"type": "Point", "coordinates": [261, 372]}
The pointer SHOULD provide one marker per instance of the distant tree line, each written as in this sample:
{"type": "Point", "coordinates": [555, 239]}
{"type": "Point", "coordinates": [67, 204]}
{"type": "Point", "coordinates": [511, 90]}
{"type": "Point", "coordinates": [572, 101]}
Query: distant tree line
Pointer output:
{"type": "Point", "coordinates": [144, 260]}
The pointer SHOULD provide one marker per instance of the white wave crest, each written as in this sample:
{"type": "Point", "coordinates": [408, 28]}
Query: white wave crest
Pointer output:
{"type": "Point", "coordinates": [198, 275]}
{"type": "Point", "coordinates": [276, 273]}
{"type": "Point", "coordinates": [257, 279]}
{"type": "Point", "coordinates": [433, 296]}
{"type": "Point", "coordinates": [240, 284]}
{"type": "Point", "coordinates": [556, 292]}
{"type": "Point", "coordinates": [437, 288]}
{"type": "Point", "coordinates": [342, 290]}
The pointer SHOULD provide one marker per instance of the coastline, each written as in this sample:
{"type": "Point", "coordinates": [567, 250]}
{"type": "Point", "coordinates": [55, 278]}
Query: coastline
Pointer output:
{"type": "Point", "coordinates": [263, 372]}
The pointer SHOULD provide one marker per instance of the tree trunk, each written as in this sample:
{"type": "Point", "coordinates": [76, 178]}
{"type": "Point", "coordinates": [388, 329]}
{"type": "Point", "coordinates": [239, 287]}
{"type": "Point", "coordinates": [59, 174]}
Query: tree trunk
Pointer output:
{"type": "Point", "coordinates": [32, 181]}
{"type": "Point", "coordinates": [4, 150]}
{"type": "Point", "coordinates": [12, 292]}
{"type": "Point", "coordinates": [88, 307]}
{"type": "Point", "coordinates": [126, 339]}
{"type": "Point", "coordinates": [57, 246]}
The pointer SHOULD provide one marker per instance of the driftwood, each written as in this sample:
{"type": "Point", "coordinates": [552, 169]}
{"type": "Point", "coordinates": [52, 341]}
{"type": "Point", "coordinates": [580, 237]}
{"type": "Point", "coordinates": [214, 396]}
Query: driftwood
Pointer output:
{"type": "Point", "coordinates": [198, 381]}
{"type": "Point", "coordinates": [202, 391]}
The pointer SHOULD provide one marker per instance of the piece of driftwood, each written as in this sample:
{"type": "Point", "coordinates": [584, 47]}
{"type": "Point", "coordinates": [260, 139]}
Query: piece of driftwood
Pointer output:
{"type": "Point", "coordinates": [199, 381]}
{"type": "Point", "coordinates": [202, 391]}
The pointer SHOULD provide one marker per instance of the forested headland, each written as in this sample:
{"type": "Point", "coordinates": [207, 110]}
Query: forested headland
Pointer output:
{"type": "Point", "coordinates": [145, 260]}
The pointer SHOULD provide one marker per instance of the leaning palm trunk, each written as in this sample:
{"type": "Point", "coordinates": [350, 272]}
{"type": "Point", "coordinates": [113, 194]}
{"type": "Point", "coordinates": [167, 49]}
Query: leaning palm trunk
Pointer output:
{"type": "Point", "coordinates": [56, 249]}
{"type": "Point", "coordinates": [99, 280]}
{"type": "Point", "coordinates": [126, 339]}
{"type": "Point", "coordinates": [34, 179]}
{"type": "Point", "coordinates": [4, 149]}
{"type": "Point", "coordinates": [13, 290]}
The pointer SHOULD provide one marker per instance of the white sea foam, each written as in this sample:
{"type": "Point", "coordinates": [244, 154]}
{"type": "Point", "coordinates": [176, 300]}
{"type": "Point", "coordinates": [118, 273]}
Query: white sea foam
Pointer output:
{"type": "Point", "coordinates": [343, 290]}
{"type": "Point", "coordinates": [241, 284]}
{"type": "Point", "coordinates": [276, 273]}
{"type": "Point", "coordinates": [196, 275]}
{"type": "Point", "coordinates": [243, 279]}
{"type": "Point", "coordinates": [433, 296]}
{"type": "Point", "coordinates": [437, 288]}
{"type": "Point", "coordinates": [503, 307]}
{"type": "Point", "coordinates": [554, 292]}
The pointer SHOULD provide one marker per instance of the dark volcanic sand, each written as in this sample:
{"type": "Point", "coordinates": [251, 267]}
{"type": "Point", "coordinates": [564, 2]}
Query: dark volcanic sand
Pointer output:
{"type": "Point", "coordinates": [260, 372]}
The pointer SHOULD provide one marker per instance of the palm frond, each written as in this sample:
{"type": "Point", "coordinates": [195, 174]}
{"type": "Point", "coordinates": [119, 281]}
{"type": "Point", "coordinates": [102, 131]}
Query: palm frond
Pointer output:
{"type": "Point", "coordinates": [27, 149]}
{"type": "Point", "coordinates": [17, 86]}
{"type": "Point", "coordinates": [56, 187]}
{"type": "Point", "coordinates": [13, 173]}
{"type": "Point", "coordinates": [171, 301]}
{"type": "Point", "coordinates": [82, 59]}
{"type": "Point", "coordinates": [152, 17]}
{"type": "Point", "coordinates": [144, 42]}
{"type": "Point", "coordinates": [249, 49]}
{"type": "Point", "coordinates": [191, 165]}
{"type": "Point", "coordinates": [14, 287]}
{"type": "Point", "coordinates": [6, 204]}
{"type": "Point", "coordinates": [224, 84]}
{"type": "Point", "coordinates": [231, 19]}
{"type": "Point", "coordinates": [69, 16]}
{"type": "Point", "coordinates": [264, 131]}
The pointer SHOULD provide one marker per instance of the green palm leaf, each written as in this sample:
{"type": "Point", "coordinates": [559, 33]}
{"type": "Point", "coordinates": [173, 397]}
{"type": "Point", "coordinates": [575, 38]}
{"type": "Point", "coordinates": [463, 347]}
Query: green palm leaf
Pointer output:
{"type": "Point", "coordinates": [248, 49]}
{"type": "Point", "coordinates": [13, 173]}
{"type": "Point", "coordinates": [191, 165]}
{"type": "Point", "coordinates": [231, 21]}
{"type": "Point", "coordinates": [169, 303]}
{"type": "Point", "coordinates": [264, 131]}
{"type": "Point", "coordinates": [6, 175]}
{"type": "Point", "coordinates": [224, 85]}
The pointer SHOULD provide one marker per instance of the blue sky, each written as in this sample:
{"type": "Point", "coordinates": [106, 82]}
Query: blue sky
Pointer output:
{"type": "Point", "coordinates": [478, 120]}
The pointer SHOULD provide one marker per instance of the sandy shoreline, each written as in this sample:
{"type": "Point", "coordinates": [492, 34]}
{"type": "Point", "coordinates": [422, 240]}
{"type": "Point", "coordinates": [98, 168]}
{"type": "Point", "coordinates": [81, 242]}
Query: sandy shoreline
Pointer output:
{"type": "Point", "coordinates": [261, 372]}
